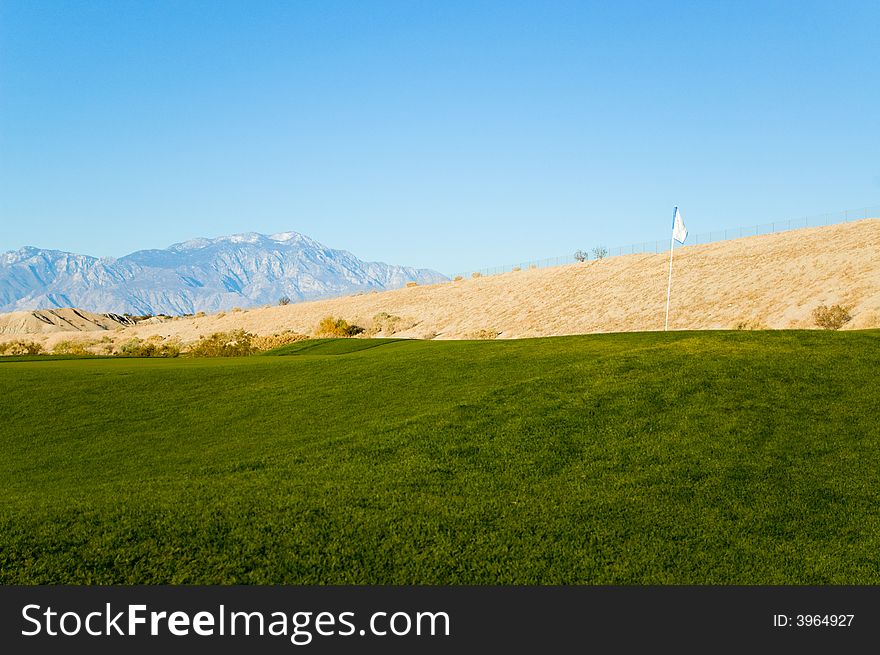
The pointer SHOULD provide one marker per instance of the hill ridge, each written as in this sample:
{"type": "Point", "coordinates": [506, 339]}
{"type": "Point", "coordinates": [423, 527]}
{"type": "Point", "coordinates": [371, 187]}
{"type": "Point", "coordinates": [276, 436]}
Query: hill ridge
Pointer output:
{"type": "Point", "coordinates": [768, 281]}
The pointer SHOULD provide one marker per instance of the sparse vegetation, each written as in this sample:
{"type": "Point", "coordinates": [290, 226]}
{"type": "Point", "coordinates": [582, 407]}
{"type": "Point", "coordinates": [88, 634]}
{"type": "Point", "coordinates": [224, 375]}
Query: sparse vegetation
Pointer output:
{"type": "Point", "coordinates": [580, 255]}
{"type": "Point", "coordinates": [600, 252]}
{"type": "Point", "coordinates": [831, 318]}
{"type": "Point", "coordinates": [476, 274]}
{"type": "Point", "coordinates": [236, 343]}
{"type": "Point", "coordinates": [20, 347]}
{"type": "Point", "coordinates": [284, 300]}
{"type": "Point", "coordinates": [336, 327]}
{"type": "Point", "coordinates": [387, 324]}
{"type": "Point", "coordinates": [269, 342]}
{"type": "Point", "coordinates": [457, 278]}
{"type": "Point", "coordinates": [750, 324]}
{"type": "Point", "coordinates": [69, 347]}
{"type": "Point", "coordinates": [483, 334]}
{"type": "Point", "coordinates": [151, 347]}
{"type": "Point", "coordinates": [412, 284]}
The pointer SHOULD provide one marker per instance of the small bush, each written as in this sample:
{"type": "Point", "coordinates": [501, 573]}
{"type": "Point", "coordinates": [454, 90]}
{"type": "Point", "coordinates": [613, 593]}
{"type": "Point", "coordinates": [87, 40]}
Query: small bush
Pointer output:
{"type": "Point", "coordinates": [236, 343]}
{"type": "Point", "coordinates": [336, 327]}
{"type": "Point", "coordinates": [19, 347]}
{"type": "Point", "coordinates": [268, 342]}
{"type": "Point", "coordinates": [600, 252]}
{"type": "Point", "coordinates": [750, 324]}
{"type": "Point", "coordinates": [151, 347]}
{"type": "Point", "coordinates": [283, 300]}
{"type": "Point", "coordinates": [388, 324]}
{"type": "Point", "coordinates": [412, 284]}
{"type": "Point", "coordinates": [199, 314]}
{"type": "Point", "coordinates": [72, 348]}
{"type": "Point", "coordinates": [476, 274]}
{"type": "Point", "coordinates": [580, 256]}
{"type": "Point", "coordinates": [483, 334]}
{"type": "Point", "coordinates": [831, 318]}
{"type": "Point", "coordinates": [516, 269]}
{"type": "Point", "coordinates": [457, 278]}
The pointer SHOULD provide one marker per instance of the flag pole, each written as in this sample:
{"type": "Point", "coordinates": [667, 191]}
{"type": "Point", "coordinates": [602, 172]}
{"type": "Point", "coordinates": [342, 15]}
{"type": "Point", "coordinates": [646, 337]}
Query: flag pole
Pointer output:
{"type": "Point", "coordinates": [669, 286]}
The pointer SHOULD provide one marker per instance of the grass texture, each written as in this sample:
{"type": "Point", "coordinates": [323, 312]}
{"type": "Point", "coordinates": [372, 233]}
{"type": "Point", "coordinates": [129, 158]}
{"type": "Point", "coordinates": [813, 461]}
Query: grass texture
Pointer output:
{"type": "Point", "coordinates": [677, 458]}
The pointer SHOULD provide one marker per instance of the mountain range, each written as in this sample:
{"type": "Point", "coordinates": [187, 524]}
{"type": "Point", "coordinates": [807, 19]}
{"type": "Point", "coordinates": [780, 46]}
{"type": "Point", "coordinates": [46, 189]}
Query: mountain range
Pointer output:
{"type": "Point", "coordinates": [208, 275]}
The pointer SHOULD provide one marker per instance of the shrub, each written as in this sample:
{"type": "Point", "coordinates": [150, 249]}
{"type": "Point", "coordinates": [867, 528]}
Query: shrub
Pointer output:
{"type": "Point", "coordinates": [336, 327]}
{"type": "Point", "coordinates": [476, 274]}
{"type": "Point", "coordinates": [71, 348]}
{"type": "Point", "coordinates": [600, 252]}
{"type": "Point", "coordinates": [19, 347]}
{"type": "Point", "coordinates": [458, 278]}
{"type": "Point", "coordinates": [831, 318]}
{"type": "Point", "coordinates": [236, 343]}
{"type": "Point", "coordinates": [482, 334]}
{"type": "Point", "coordinates": [580, 256]}
{"type": "Point", "coordinates": [750, 324]}
{"type": "Point", "coordinates": [283, 300]}
{"type": "Point", "coordinates": [388, 324]}
{"type": "Point", "coordinates": [268, 342]}
{"type": "Point", "coordinates": [516, 269]}
{"type": "Point", "coordinates": [412, 284]}
{"type": "Point", "coordinates": [152, 347]}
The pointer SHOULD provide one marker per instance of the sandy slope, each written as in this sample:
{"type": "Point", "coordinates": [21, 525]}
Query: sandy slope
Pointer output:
{"type": "Point", "coordinates": [771, 281]}
{"type": "Point", "coordinates": [44, 321]}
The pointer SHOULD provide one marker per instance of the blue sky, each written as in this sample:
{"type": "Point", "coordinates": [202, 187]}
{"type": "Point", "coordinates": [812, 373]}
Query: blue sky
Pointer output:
{"type": "Point", "coordinates": [453, 135]}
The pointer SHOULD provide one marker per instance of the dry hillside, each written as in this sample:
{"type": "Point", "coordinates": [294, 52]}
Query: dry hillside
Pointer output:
{"type": "Point", "coordinates": [772, 281]}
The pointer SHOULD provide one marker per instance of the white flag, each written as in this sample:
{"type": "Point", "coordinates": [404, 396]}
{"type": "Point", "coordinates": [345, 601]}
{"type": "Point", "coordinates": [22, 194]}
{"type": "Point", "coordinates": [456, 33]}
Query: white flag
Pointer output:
{"type": "Point", "coordinates": [679, 231]}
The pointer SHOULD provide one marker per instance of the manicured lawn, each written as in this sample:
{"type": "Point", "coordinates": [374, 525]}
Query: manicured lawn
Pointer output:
{"type": "Point", "coordinates": [690, 457]}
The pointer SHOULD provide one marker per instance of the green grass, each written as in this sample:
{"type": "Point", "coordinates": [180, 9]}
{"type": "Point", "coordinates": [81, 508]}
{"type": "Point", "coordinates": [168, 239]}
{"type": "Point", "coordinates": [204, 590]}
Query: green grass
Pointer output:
{"type": "Point", "coordinates": [701, 457]}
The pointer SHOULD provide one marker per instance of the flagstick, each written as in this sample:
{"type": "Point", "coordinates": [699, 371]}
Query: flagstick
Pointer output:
{"type": "Point", "coordinates": [669, 287]}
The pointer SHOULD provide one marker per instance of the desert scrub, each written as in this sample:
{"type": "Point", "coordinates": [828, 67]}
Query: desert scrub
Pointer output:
{"type": "Point", "coordinates": [831, 318]}
{"type": "Point", "coordinates": [67, 347]}
{"type": "Point", "coordinates": [236, 343]}
{"type": "Point", "coordinates": [19, 347]}
{"type": "Point", "coordinates": [151, 347]}
{"type": "Point", "coordinates": [750, 324]}
{"type": "Point", "coordinates": [271, 341]}
{"type": "Point", "coordinates": [336, 327]}
{"type": "Point", "coordinates": [482, 334]}
{"type": "Point", "coordinates": [388, 324]}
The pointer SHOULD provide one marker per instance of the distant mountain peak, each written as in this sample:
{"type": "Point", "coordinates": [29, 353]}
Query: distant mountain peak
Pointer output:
{"type": "Point", "coordinates": [201, 274]}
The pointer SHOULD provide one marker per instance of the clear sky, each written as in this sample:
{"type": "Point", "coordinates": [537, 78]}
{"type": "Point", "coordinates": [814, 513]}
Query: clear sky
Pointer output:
{"type": "Point", "coordinates": [452, 135]}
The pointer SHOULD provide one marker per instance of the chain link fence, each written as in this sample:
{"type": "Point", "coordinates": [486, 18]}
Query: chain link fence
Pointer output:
{"type": "Point", "coordinates": [661, 246]}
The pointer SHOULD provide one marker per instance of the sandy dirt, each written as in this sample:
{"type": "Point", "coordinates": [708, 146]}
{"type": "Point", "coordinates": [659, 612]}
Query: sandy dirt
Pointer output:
{"type": "Point", "coordinates": [770, 281]}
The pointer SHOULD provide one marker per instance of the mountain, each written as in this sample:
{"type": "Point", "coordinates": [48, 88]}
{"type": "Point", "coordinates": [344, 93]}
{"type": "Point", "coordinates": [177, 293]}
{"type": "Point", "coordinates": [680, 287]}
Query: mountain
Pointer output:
{"type": "Point", "coordinates": [198, 275]}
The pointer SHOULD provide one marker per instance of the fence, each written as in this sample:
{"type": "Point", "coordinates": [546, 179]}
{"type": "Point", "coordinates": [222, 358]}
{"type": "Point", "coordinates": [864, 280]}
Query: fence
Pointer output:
{"type": "Point", "coordinates": [662, 245]}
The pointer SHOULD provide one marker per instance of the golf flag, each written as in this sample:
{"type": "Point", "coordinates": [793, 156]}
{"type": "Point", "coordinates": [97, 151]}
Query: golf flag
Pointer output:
{"type": "Point", "coordinates": [679, 231]}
